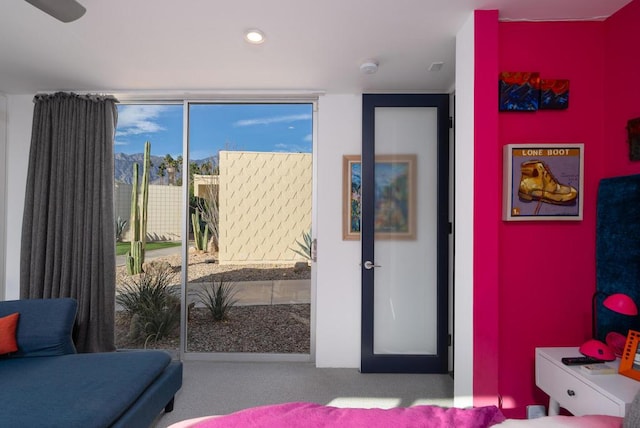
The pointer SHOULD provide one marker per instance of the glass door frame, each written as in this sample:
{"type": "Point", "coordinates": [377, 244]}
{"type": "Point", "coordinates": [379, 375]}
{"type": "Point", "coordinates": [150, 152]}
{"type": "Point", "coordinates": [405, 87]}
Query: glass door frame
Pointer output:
{"type": "Point", "coordinates": [183, 354]}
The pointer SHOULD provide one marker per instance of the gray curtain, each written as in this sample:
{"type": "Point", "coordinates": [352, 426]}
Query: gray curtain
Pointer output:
{"type": "Point", "coordinates": [68, 236]}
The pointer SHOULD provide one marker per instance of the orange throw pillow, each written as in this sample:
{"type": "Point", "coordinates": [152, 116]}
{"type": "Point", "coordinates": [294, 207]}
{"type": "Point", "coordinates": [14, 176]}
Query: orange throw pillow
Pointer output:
{"type": "Point", "coordinates": [8, 326]}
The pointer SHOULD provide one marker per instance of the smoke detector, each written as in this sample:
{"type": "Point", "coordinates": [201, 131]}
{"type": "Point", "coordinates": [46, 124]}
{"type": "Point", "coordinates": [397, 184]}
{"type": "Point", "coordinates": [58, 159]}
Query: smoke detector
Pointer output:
{"type": "Point", "coordinates": [369, 66]}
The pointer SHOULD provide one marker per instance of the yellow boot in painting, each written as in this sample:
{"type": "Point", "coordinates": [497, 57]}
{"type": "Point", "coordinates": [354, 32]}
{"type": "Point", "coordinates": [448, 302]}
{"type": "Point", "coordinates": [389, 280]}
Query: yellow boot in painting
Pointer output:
{"type": "Point", "coordinates": [537, 183]}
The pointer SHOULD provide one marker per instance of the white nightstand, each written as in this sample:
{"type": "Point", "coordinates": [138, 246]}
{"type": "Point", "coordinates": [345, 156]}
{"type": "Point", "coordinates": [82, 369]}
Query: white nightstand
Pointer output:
{"type": "Point", "coordinates": [578, 392]}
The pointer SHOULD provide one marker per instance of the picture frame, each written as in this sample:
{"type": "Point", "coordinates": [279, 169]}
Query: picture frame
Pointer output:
{"type": "Point", "coordinates": [633, 132]}
{"type": "Point", "coordinates": [395, 215]}
{"type": "Point", "coordinates": [351, 193]}
{"type": "Point", "coordinates": [630, 360]}
{"type": "Point", "coordinates": [543, 182]}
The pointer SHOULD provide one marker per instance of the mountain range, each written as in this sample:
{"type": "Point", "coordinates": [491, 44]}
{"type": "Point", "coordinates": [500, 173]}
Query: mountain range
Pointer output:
{"type": "Point", "coordinates": [123, 167]}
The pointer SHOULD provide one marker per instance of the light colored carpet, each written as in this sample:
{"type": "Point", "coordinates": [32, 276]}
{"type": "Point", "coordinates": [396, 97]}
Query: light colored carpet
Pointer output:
{"type": "Point", "coordinates": [211, 388]}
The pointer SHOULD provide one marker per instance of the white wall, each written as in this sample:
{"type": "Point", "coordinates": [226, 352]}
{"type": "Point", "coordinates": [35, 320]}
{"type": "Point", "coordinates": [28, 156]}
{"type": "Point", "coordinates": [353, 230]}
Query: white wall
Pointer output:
{"type": "Point", "coordinates": [3, 172]}
{"type": "Point", "coordinates": [20, 117]}
{"type": "Point", "coordinates": [338, 285]}
{"type": "Point", "coordinates": [463, 220]}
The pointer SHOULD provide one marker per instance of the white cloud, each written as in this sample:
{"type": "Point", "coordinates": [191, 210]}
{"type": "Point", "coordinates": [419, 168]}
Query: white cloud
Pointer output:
{"type": "Point", "coordinates": [270, 120]}
{"type": "Point", "coordinates": [139, 119]}
{"type": "Point", "coordinates": [291, 148]}
{"type": "Point", "coordinates": [308, 138]}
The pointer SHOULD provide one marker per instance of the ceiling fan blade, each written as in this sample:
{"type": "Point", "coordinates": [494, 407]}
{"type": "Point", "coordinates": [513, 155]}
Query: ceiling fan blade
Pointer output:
{"type": "Point", "coordinates": [63, 10]}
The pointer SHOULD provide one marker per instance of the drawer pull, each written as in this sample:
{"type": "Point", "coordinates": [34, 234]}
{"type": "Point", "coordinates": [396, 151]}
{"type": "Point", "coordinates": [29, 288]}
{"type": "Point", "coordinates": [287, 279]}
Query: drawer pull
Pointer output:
{"type": "Point", "coordinates": [571, 392]}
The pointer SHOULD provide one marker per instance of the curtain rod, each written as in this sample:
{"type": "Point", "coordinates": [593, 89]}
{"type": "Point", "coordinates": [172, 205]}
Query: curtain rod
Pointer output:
{"type": "Point", "coordinates": [198, 95]}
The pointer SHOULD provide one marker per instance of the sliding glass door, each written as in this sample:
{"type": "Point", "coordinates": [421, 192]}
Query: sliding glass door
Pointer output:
{"type": "Point", "coordinates": [213, 221]}
{"type": "Point", "coordinates": [148, 222]}
{"type": "Point", "coordinates": [250, 177]}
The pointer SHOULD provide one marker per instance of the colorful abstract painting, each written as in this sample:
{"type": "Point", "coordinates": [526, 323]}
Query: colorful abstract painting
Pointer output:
{"type": "Point", "coordinates": [554, 94]}
{"type": "Point", "coordinates": [519, 91]}
{"type": "Point", "coordinates": [394, 216]}
{"type": "Point", "coordinates": [355, 192]}
{"type": "Point", "coordinates": [392, 197]}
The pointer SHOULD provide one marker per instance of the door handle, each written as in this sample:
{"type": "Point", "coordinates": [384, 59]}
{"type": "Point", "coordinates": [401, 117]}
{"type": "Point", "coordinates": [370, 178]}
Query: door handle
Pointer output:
{"type": "Point", "coordinates": [370, 265]}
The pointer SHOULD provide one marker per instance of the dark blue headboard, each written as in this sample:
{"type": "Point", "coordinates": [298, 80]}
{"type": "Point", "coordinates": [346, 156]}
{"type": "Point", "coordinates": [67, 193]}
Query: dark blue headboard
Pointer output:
{"type": "Point", "coordinates": [618, 249]}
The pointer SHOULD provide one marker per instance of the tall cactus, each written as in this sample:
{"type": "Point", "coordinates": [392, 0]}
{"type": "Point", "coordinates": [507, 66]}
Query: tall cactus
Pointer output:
{"type": "Point", "coordinates": [200, 236]}
{"type": "Point", "coordinates": [135, 256]}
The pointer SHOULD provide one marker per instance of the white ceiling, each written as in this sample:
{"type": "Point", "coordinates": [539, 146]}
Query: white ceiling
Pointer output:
{"type": "Point", "coordinates": [198, 45]}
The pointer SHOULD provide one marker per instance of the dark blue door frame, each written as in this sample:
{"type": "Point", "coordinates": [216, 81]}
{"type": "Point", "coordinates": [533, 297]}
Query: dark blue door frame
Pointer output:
{"type": "Point", "coordinates": [404, 363]}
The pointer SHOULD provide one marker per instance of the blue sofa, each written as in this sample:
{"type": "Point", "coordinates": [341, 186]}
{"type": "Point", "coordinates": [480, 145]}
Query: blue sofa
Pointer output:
{"type": "Point", "coordinates": [47, 384]}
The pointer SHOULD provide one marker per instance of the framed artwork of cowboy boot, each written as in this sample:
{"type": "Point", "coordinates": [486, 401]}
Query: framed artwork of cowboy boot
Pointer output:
{"type": "Point", "coordinates": [543, 182]}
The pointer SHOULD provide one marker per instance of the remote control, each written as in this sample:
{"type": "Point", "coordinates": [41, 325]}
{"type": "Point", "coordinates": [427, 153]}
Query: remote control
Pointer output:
{"type": "Point", "coordinates": [579, 361]}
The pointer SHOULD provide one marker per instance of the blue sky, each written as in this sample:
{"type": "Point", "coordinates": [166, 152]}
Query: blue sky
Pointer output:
{"type": "Point", "coordinates": [214, 127]}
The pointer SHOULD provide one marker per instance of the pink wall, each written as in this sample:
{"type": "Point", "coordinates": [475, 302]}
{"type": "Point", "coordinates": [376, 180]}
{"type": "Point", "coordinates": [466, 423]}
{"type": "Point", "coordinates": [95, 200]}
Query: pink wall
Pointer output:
{"type": "Point", "coordinates": [547, 269]}
{"type": "Point", "coordinates": [622, 90]}
{"type": "Point", "coordinates": [533, 285]}
{"type": "Point", "coordinates": [486, 200]}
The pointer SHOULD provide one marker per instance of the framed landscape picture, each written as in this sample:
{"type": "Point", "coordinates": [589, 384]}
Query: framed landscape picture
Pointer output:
{"type": "Point", "coordinates": [543, 182]}
{"type": "Point", "coordinates": [395, 190]}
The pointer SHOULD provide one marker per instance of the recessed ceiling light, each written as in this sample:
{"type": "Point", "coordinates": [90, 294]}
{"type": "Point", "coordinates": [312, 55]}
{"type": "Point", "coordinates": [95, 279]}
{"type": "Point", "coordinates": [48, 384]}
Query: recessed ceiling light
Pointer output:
{"type": "Point", "coordinates": [254, 36]}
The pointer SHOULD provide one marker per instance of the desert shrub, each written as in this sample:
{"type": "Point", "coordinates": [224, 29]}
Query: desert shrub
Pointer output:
{"type": "Point", "coordinates": [152, 303]}
{"type": "Point", "coordinates": [218, 298]}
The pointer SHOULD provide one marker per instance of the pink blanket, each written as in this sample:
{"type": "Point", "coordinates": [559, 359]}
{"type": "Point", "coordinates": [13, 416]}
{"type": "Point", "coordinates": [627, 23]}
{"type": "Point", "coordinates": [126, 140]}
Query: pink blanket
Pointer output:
{"type": "Point", "coordinates": [310, 415]}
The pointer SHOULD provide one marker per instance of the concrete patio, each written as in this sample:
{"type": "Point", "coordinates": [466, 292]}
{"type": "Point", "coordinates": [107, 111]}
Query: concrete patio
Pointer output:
{"type": "Point", "coordinates": [280, 292]}
{"type": "Point", "coordinates": [270, 292]}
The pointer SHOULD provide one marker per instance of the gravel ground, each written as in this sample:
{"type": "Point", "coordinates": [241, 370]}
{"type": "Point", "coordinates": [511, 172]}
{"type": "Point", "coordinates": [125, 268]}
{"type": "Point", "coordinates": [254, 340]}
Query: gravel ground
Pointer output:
{"type": "Point", "coordinates": [257, 329]}
{"type": "Point", "coordinates": [202, 267]}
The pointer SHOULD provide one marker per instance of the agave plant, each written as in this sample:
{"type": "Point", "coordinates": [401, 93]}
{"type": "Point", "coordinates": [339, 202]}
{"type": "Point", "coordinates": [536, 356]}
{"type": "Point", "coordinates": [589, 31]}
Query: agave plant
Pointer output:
{"type": "Point", "coordinates": [304, 249]}
{"type": "Point", "coordinates": [121, 224]}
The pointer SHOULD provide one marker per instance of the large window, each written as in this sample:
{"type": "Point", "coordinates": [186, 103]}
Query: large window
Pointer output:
{"type": "Point", "coordinates": [244, 214]}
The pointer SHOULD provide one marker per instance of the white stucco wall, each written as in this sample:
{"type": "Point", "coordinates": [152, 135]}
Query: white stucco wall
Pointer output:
{"type": "Point", "coordinates": [19, 121]}
{"type": "Point", "coordinates": [338, 285]}
{"type": "Point", "coordinates": [463, 221]}
{"type": "Point", "coordinates": [3, 172]}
